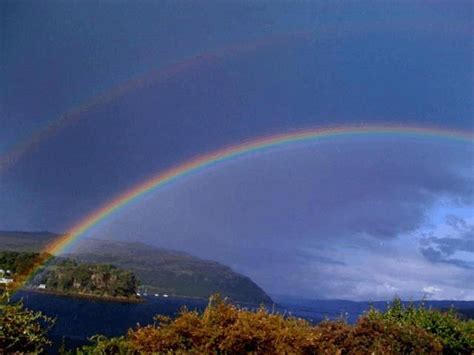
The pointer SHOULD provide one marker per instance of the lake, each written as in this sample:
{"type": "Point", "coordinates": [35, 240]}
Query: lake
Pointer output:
{"type": "Point", "coordinates": [80, 318]}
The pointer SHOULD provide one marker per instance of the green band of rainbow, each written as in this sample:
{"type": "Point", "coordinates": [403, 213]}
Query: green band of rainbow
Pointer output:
{"type": "Point", "coordinates": [211, 159]}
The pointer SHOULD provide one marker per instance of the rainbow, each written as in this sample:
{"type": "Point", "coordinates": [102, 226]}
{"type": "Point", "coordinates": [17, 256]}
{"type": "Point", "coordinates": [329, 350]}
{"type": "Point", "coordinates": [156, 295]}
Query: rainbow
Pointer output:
{"type": "Point", "coordinates": [17, 151]}
{"type": "Point", "coordinates": [219, 156]}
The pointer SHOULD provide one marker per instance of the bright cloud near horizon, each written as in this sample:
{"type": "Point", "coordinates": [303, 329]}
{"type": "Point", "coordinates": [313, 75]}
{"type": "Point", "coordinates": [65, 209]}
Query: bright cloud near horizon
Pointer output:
{"type": "Point", "coordinates": [364, 217]}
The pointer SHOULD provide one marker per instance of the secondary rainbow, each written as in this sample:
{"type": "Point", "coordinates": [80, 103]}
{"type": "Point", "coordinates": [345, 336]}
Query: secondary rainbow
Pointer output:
{"type": "Point", "coordinates": [16, 152]}
{"type": "Point", "coordinates": [214, 158]}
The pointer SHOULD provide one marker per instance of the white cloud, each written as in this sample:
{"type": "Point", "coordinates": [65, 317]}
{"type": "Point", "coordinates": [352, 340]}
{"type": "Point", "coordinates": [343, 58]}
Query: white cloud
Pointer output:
{"type": "Point", "coordinates": [432, 289]}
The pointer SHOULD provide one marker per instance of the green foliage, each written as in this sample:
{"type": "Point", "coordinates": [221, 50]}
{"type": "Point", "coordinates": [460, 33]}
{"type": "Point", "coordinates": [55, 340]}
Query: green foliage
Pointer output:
{"type": "Point", "coordinates": [105, 280]}
{"type": "Point", "coordinates": [105, 346]}
{"type": "Point", "coordinates": [22, 330]}
{"type": "Point", "coordinates": [20, 263]}
{"type": "Point", "coordinates": [69, 276]}
{"type": "Point", "coordinates": [456, 335]}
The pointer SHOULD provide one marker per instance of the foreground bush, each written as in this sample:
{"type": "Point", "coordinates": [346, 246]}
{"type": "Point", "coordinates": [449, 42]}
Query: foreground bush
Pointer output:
{"type": "Point", "coordinates": [370, 336]}
{"type": "Point", "coordinates": [226, 329]}
{"type": "Point", "coordinates": [22, 330]}
{"type": "Point", "coordinates": [456, 335]}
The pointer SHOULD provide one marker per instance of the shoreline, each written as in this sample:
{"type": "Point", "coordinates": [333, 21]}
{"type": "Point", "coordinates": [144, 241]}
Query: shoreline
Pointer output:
{"type": "Point", "coordinates": [86, 296]}
{"type": "Point", "coordinates": [203, 298]}
{"type": "Point", "coordinates": [142, 299]}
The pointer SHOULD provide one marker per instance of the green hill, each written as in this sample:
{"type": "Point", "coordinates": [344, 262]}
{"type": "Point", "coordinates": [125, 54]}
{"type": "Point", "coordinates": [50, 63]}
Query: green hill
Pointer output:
{"type": "Point", "coordinates": [159, 270]}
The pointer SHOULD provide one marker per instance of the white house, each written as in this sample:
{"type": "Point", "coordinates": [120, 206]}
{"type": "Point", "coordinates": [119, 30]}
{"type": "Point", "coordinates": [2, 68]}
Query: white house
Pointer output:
{"type": "Point", "coordinates": [42, 286]}
{"type": "Point", "coordinates": [4, 280]}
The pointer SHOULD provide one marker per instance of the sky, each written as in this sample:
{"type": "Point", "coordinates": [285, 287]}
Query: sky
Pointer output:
{"type": "Point", "coordinates": [129, 89]}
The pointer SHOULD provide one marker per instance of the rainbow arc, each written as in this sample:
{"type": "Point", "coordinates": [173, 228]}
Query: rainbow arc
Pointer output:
{"type": "Point", "coordinates": [212, 159]}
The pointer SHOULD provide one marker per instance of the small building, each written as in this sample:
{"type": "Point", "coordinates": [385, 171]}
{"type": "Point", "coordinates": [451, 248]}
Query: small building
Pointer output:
{"type": "Point", "coordinates": [42, 286]}
{"type": "Point", "coordinates": [4, 280]}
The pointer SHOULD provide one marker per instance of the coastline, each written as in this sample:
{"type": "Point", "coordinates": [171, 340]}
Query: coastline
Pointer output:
{"type": "Point", "coordinates": [87, 296]}
{"type": "Point", "coordinates": [206, 299]}
{"type": "Point", "coordinates": [134, 299]}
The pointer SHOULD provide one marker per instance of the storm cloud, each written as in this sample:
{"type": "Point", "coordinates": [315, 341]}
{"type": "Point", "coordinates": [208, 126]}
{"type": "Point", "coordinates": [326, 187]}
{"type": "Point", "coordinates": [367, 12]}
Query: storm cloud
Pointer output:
{"type": "Point", "coordinates": [353, 217]}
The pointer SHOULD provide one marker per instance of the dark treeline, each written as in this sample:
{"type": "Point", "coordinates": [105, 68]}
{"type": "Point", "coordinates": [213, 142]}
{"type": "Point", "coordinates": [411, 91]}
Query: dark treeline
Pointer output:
{"type": "Point", "coordinates": [69, 276]}
{"type": "Point", "coordinates": [19, 263]}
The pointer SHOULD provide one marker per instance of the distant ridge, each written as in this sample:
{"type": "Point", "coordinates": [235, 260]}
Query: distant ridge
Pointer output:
{"type": "Point", "coordinates": [36, 233]}
{"type": "Point", "coordinates": [161, 271]}
{"type": "Point", "coordinates": [173, 272]}
{"type": "Point", "coordinates": [26, 241]}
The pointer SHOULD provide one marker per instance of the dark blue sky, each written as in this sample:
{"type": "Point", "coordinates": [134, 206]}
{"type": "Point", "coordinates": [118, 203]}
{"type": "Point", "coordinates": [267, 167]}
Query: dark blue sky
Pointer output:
{"type": "Point", "coordinates": [262, 67]}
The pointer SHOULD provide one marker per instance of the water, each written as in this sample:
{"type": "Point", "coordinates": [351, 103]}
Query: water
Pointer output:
{"type": "Point", "coordinates": [80, 318]}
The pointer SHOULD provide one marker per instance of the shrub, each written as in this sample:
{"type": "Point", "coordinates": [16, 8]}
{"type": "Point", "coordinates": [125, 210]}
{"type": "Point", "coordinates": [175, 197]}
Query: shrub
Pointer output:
{"type": "Point", "coordinates": [22, 330]}
{"type": "Point", "coordinates": [224, 328]}
{"type": "Point", "coordinates": [456, 335]}
{"type": "Point", "coordinates": [227, 329]}
{"type": "Point", "coordinates": [103, 346]}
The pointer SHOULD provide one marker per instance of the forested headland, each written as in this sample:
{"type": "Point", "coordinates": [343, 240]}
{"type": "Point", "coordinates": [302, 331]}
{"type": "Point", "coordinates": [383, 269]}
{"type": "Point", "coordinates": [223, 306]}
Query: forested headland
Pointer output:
{"type": "Point", "coordinates": [68, 276]}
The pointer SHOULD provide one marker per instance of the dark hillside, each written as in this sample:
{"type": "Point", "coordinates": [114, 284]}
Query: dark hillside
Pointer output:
{"type": "Point", "coordinates": [25, 241]}
{"type": "Point", "coordinates": [173, 272]}
{"type": "Point", "coordinates": [159, 270]}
